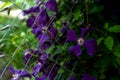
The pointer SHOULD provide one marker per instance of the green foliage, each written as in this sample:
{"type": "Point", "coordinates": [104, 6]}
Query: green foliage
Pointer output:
{"type": "Point", "coordinates": [109, 42]}
{"type": "Point", "coordinates": [115, 28]}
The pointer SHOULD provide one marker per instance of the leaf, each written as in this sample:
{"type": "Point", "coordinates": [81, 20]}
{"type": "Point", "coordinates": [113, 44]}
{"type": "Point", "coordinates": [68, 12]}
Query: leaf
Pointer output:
{"type": "Point", "coordinates": [6, 4]}
{"type": "Point", "coordinates": [95, 8]}
{"type": "Point", "coordinates": [117, 51]}
{"type": "Point", "coordinates": [115, 28]}
{"type": "Point", "coordinates": [109, 42]}
{"type": "Point", "coordinates": [99, 40]}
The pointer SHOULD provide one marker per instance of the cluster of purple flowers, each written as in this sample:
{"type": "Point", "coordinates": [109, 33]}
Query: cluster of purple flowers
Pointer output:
{"type": "Point", "coordinates": [42, 27]}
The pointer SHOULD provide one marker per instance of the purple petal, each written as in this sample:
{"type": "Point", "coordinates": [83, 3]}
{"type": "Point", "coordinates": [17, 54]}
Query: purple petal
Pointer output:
{"type": "Point", "coordinates": [64, 29]}
{"type": "Point", "coordinates": [43, 77]}
{"type": "Point", "coordinates": [88, 77]}
{"type": "Point", "coordinates": [71, 36]}
{"type": "Point", "coordinates": [75, 50]}
{"type": "Point", "coordinates": [84, 32]}
{"type": "Point", "coordinates": [53, 32]}
{"type": "Point", "coordinates": [53, 73]}
{"type": "Point", "coordinates": [25, 74]}
{"type": "Point", "coordinates": [91, 46]}
{"type": "Point", "coordinates": [44, 56]}
{"type": "Point", "coordinates": [30, 21]}
{"type": "Point", "coordinates": [43, 38]}
{"type": "Point", "coordinates": [42, 18]}
{"type": "Point", "coordinates": [12, 69]}
{"type": "Point", "coordinates": [37, 69]}
{"type": "Point", "coordinates": [52, 5]}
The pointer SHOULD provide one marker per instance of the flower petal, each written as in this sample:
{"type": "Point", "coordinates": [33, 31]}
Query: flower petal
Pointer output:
{"type": "Point", "coordinates": [75, 50]}
{"type": "Point", "coordinates": [53, 32]}
{"type": "Point", "coordinates": [52, 5]}
{"type": "Point", "coordinates": [43, 77]}
{"type": "Point", "coordinates": [91, 46]}
{"type": "Point", "coordinates": [71, 36]}
{"type": "Point", "coordinates": [88, 77]}
{"type": "Point", "coordinates": [30, 21]}
{"type": "Point", "coordinates": [25, 74]}
{"type": "Point", "coordinates": [12, 69]}
{"type": "Point", "coordinates": [37, 69]}
{"type": "Point", "coordinates": [84, 32]}
{"type": "Point", "coordinates": [43, 38]}
{"type": "Point", "coordinates": [42, 18]}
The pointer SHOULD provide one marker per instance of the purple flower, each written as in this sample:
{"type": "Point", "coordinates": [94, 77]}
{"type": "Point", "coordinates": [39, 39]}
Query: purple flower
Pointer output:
{"type": "Point", "coordinates": [64, 29]}
{"type": "Point", "coordinates": [88, 77]}
{"type": "Point", "coordinates": [31, 10]}
{"type": "Point", "coordinates": [17, 74]}
{"type": "Point", "coordinates": [30, 21]}
{"type": "Point", "coordinates": [43, 18]}
{"type": "Point", "coordinates": [90, 45]}
{"type": "Point", "coordinates": [43, 77]}
{"type": "Point", "coordinates": [53, 72]}
{"type": "Point", "coordinates": [52, 5]}
{"type": "Point", "coordinates": [37, 69]}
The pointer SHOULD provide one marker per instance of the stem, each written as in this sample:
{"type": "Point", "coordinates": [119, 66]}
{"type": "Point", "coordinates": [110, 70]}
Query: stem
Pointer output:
{"type": "Point", "coordinates": [86, 14]}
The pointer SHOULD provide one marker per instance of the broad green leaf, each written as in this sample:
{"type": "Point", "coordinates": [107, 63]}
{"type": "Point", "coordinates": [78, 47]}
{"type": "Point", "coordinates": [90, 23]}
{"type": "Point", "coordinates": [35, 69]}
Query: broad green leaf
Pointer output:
{"type": "Point", "coordinates": [95, 8]}
{"type": "Point", "coordinates": [99, 40]}
{"type": "Point", "coordinates": [117, 51]}
{"type": "Point", "coordinates": [115, 28]}
{"type": "Point", "coordinates": [109, 42]}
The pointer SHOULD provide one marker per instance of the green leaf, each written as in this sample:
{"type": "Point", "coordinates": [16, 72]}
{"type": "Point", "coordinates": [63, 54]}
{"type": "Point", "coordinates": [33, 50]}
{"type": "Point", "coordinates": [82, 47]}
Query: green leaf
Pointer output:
{"type": "Point", "coordinates": [115, 28]}
{"type": "Point", "coordinates": [99, 40]}
{"type": "Point", "coordinates": [109, 42]}
{"type": "Point", "coordinates": [6, 4]}
{"type": "Point", "coordinates": [95, 8]}
{"type": "Point", "coordinates": [106, 25]}
{"type": "Point", "coordinates": [117, 51]}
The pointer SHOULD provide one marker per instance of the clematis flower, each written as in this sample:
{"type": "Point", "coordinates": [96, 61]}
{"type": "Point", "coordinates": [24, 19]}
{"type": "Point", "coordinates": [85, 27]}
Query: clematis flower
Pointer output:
{"type": "Point", "coordinates": [37, 68]}
{"type": "Point", "coordinates": [43, 77]}
{"type": "Point", "coordinates": [52, 5]}
{"type": "Point", "coordinates": [90, 45]}
{"type": "Point", "coordinates": [31, 10]}
{"type": "Point", "coordinates": [17, 74]}
{"type": "Point", "coordinates": [88, 77]}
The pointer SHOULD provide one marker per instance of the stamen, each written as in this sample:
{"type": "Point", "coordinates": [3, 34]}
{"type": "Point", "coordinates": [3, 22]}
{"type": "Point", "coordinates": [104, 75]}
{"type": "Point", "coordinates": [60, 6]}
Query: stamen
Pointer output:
{"type": "Point", "coordinates": [80, 41]}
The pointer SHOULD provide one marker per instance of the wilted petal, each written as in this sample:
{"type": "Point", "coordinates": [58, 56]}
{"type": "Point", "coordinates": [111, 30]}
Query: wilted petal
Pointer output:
{"type": "Point", "coordinates": [91, 46]}
{"type": "Point", "coordinates": [71, 36]}
{"type": "Point", "coordinates": [88, 77]}
{"type": "Point", "coordinates": [25, 74]}
{"type": "Point", "coordinates": [75, 50]}
{"type": "Point", "coordinates": [52, 5]}
{"type": "Point", "coordinates": [84, 32]}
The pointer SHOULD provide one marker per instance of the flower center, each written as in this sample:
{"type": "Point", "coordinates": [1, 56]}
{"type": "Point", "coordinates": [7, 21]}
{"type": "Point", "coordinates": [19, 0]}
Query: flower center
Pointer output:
{"type": "Point", "coordinates": [44, 29]}
{"type": "Point", "coordinates": [15, 76]}
{"type": "Point", "coordinates": [80, 41]}
{"type": "Point", "coordinates": [27, 52]}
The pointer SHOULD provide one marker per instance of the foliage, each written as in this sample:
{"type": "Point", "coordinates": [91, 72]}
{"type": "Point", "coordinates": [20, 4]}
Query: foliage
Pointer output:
{"type": "Point", "coordinates": [103, 27]}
